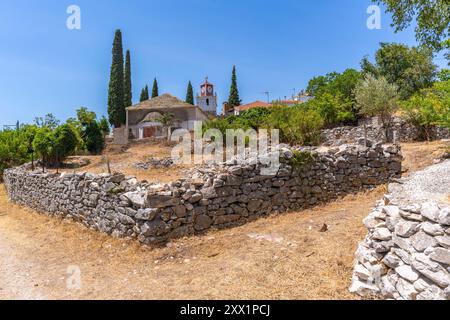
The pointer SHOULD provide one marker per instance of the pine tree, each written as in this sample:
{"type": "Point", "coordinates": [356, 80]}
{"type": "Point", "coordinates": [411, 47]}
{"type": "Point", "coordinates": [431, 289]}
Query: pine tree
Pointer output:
{"type": "Point", "coordinates": [116, 111]}
{"type": "Point", "coordinates": [127, 95]}
{"type": "Point", "coordinates": [155, 92]}
{"type": "Point", "coordinates": [144, 94]}
{"type": "Point", "coordinates": [233, 99]}
{"type": "Point", "coordinates": [190, 94]}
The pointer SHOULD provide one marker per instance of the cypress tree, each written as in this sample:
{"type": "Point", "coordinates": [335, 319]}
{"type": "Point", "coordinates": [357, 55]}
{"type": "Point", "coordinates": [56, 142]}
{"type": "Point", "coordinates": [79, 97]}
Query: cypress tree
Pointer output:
{"type": "Point", "coordinates": [142, 97]}
{"type": "Point", "coordinates": [155, 92]}
{"type": "Point", "coordinates": [233, 99]}
{"type": "Point", "coordinates": [127, 95]}
{"type": "Point", "coordinates": [116, 111]}
{"type": "Point", "coordinates": [144, 94]}
{"type": "Point", "coordinates": [190, 94]}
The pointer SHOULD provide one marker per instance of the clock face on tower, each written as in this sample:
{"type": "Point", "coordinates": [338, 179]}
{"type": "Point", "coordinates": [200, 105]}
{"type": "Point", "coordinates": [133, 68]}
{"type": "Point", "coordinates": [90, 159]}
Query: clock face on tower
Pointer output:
{"type": "Point", "coordinates": [210, 90]}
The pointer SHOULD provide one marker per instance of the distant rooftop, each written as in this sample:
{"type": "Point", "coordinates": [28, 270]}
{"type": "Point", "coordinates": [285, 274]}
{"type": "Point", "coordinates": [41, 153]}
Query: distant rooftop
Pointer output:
{"type": "Point", "coordinates": [163, 101]}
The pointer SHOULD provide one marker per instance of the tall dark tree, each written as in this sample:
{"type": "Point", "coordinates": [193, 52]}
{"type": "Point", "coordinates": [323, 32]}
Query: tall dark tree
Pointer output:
{"type": "Point", "coordinates": [144, 94]}
{"type": "Point", "coordinates": [155, 92]}
{"type": "Point", "coordinates": [128, 97]}
{"type": "Point", "coordinates": [190, 94]}
{"type": "Point", "coordinates": [234, 99]}
{"type": "Point", "coordinates": [116, 110]}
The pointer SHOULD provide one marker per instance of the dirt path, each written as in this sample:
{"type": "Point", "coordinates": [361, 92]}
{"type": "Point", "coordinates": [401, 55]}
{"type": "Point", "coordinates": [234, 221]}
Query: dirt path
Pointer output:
{"type": "Point", "coordinates": [280, 257]}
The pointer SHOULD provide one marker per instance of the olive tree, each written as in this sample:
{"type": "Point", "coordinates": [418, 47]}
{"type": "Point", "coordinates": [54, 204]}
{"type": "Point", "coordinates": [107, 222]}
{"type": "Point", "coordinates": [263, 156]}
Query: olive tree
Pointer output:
{"type": "Point", "coordinates": [377, 97]}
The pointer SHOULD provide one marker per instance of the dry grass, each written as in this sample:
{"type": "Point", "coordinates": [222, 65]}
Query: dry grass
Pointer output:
{"type": "Point", "coordinates": [419, 155]}
{"type": "Point", "coordinates": [123, 159]}
{"type": "Point", "coordinates": [278, 257]}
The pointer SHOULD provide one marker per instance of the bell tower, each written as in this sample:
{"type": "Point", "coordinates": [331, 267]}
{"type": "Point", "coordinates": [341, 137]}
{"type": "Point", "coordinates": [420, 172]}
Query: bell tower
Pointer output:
{"type": "Point", "coordinates": [207, 100]}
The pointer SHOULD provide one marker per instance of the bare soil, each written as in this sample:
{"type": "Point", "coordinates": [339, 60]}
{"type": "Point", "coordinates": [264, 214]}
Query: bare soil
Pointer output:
{"type": "Point", "coordinates": [124, 158]}
{"type": "Point", "coordinates": [278, 257]}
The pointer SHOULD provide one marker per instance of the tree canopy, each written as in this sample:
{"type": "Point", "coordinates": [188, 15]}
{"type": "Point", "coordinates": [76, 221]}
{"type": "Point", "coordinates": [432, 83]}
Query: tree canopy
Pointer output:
{"type": "Point", "coordinates": [411, 69]}
{"type": "Point", "coordinates": [432, 17]}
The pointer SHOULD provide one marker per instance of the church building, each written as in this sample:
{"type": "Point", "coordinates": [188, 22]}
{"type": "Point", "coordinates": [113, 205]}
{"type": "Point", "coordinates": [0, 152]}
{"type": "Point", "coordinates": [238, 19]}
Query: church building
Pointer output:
{"type": "Point", "coordinates": [207, 100]}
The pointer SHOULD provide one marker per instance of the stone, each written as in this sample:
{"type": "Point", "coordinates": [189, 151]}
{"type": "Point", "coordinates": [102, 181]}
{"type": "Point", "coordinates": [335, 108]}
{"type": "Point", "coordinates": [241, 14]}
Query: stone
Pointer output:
{"type": "Point", "coordinates": [254, 205]}
{"type": "Point", "coordinates": [147, 214]}
{"type": "Point", "coordinates": [391, 260]}
{"type": "Point", "coordinates": [421, 285]}
{"type": "Point", "coordinates": [117, 178]}
{"type": "Point", "coordinates": [444, 241]}
{"type": "Point", "coordinates": [431, 270]}
{"type": "Point", "coordinates": [406, 289]}
{"type": "Point", "coordinates": [440, 255]}
{"type": "Point", "coordinates": [136, 198]}
{"type": "Point", "coordinates": [432, 293]}
{"type": "Point", "coordinates": [406, 229]}
{"type": "Point", "coordinates": [363, 288]}
{"type": "Point", "coordinates": [202, 222]}
{"type": "Point", "coordinates": [430, 211]}
{"type": "Point", "coordinates": [432, 229]}
{"type": "Point", "coordinates": [180, 211]}
{"type": "Point", "coordinates": [153, 228]}
{"type": "Point", "coordinates": [226, 219]}
{"type": "Point", "coordinates": [422, 241]}
{"type": "Point", "coordinates": [126, 220]}
{"type": "Point", "coordinates": [382, 234]}
{"type": "Point", "coordinates": [195, 198]}
{"type": "Point", "coordinates": [407, 273]}
{"type": "Point", "coordinates": [362, 272]}
{"type": "Point", "coordinates": [392, 211]}
{"type": "Point", "coordinates": [444, 216]}
{"type": "Point", "coordinates": [162, 201]}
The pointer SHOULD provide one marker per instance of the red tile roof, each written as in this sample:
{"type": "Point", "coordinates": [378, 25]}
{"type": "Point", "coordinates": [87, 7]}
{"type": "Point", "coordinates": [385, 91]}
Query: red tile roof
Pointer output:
{"type": "Point", "coordinates": [256, 104]}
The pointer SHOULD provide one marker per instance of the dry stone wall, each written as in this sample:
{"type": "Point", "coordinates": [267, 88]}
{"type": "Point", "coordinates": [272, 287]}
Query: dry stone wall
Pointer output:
{"type": "Point", "coordinates": [406, 254]}
{"type": "Point", "coordinates": [404, 132]}
{"type": "Point", "coordinates": [211, 197]}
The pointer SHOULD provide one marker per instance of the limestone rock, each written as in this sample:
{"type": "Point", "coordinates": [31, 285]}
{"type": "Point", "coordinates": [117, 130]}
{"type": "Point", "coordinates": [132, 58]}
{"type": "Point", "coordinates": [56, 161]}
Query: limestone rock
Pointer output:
{"type": "Point", "coordinates": [430, 211]}
{"type": "Point", "coordinates": [422, 241]}
{"type": "Point", "coordinates": [382, 234]}
{"type": "Point", "coordinates": [440, 255]}
{"type": "Point", "coordinates": [407, 273]}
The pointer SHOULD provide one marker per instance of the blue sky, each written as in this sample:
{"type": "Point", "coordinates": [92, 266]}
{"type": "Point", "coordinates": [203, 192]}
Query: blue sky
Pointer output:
{"type": "Point", "coordinates": [276, 46]}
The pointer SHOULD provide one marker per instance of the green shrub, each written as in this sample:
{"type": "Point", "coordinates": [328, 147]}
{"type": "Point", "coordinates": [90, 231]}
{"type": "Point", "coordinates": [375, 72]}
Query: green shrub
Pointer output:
{"type": "Point", "coordinates": [300, 159]}
{"type": "Point", "coordinates": [297, 125]}
{"type": "Point", "coordinates": [14, 149]}
{"type": "Point", "coordinates": [428, 108]}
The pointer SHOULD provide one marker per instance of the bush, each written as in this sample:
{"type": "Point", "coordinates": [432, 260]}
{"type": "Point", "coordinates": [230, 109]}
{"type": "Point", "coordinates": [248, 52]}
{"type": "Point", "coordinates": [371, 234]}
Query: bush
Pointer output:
{"type": "Point", "coordinates": [300, 159]}
{"type": "Point", "coordinates": [65, 143]}
{"type": "Point", "coordinates": [297, 125]}
{"type": "Point", "coordinates": [334, 109]}
{"type": "Point", "coordinates": [429, 108]}
{"type": "Point", "coordinates": [93, 137]}
{"type": "Point", "coordinates": [13, 149]}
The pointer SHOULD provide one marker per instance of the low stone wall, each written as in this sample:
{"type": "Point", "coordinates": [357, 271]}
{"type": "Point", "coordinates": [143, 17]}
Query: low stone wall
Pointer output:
{"type": "Point", "coordinates": [406, 254]}
{"type": "Point", "coordinates": [404, 132]}
{"type": "Point", "coordinates": [212, 197]}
